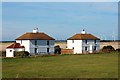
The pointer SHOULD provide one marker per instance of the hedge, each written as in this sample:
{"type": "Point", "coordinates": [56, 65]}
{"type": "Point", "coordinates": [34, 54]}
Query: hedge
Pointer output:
{"type": "Point", "coordinates": [21, 54]}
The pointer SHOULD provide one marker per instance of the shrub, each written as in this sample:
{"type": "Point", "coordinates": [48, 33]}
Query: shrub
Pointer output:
{"type": "Point", "coordinates": [108, 49]}
{"type": "Point", "coordinates": [21, 54]}
{"type": "Point", "coordinates": [118, 50]}
{"type": "Point", "coordinates": [57, 49]}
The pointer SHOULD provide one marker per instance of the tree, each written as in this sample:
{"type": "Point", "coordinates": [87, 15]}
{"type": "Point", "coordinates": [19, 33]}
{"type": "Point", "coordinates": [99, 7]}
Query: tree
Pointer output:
{"type": "Point", "coordinates": [21, 54]}
{"type": "Point", "coordinates": [108, 49]}
{"type": "Point", "coordinates": [57, 49]}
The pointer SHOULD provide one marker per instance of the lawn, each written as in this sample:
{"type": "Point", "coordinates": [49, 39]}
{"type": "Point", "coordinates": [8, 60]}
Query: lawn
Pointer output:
{"type": "Point", "coordinates": [62, 66]}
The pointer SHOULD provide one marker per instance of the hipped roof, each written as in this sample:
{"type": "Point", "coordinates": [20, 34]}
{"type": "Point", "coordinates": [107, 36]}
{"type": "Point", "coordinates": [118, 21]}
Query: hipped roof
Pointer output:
{"type": "Point", "coordinates": [15, 45]}
{"type": "Point", "coordinates": [35, 36]}
{"type": "Point", "coordinates": [83, 37]}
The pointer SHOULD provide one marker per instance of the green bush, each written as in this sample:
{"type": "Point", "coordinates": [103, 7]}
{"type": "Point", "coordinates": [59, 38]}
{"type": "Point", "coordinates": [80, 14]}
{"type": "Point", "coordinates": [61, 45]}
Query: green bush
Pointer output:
{"type": "Point", "coordinates": [108, 49]}
{"type": "Point", "coordinates": [57, 49]}
{"type": "Point", "coordinates": [21, 54]}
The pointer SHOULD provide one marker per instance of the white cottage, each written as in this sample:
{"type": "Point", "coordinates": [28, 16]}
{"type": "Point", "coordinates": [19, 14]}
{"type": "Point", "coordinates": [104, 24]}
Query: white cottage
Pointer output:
{"type": "Point", "coordinates": [37, 42]}
{"type": "Point", "coordinates": [83, 43]}
{"type": "Point", "coordinates": [14, 47]}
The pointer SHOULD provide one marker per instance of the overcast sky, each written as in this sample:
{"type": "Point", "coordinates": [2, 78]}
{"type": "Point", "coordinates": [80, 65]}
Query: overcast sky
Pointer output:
{"type": "Point", "coordinates": [60, 20]}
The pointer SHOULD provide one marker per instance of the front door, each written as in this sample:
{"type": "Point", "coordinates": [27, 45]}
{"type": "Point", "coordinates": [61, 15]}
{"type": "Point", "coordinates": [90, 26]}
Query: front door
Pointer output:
{"type": "Point", "coordinates": [35, 50]}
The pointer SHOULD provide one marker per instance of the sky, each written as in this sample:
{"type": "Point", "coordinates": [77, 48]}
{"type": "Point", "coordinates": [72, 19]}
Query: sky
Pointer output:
{"type": "Point", "coordinates": [60, 20]}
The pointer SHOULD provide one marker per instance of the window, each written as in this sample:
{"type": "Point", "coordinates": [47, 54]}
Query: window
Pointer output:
{"type": "Point", "coordinates": [95, 48]}
{"type": "Point", "coordinates": [35, 42]}
{"type": "Point", "coordinates": [95, 41]}
{"type": "Point", "coordinates": [47, 50]}
{"type": "Point", "coordinates": [10, 50]}
{"type": "Point", "coordinates": [72, 41]}
{"type": "Point", "coordinates": [85, 48]}
{"type": "Point", "coordinates": [35, 50]}
{"type": "Point", "coordinates": [86, 41]}
{"type": "Point", "coordinates": [21, 41]}
{"type": "Point", "coordinates": [47, 42]}
{"type": "Point", "coordinates": [73, 47]}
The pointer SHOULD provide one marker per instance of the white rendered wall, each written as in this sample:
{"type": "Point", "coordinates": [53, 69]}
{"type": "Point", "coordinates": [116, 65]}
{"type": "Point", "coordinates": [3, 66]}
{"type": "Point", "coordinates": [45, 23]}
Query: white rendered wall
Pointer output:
{"type": "Point", "coordinates": [76, 45]}
{"type": "Point", "coordinates": [19, 49]}
{"type": "Point", "coordinates": [25, 43]}
{"type": "Point", "coordinates": [8, 53]}
{"type": "Point", "coordinates": [70, 44]}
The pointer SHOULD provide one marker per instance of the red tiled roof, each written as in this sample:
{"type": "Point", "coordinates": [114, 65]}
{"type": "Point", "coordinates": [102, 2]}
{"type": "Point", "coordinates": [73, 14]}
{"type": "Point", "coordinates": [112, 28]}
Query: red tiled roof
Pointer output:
{"type": "Point", "coordinates": [83, 37]}
{"type": "Point", "coordinates": [15, 45]}
{"type": "Point", "coordinates": [35, 36]}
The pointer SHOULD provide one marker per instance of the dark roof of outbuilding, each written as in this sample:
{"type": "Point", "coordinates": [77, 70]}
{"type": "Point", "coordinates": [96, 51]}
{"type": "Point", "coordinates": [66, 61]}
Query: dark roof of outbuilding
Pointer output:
{"type": "Point", "coordinates": [35, 36]}
{"type": "Point", "coordinates": [15, 45]}
{"type": "Point", "coordinates": [83, 37]}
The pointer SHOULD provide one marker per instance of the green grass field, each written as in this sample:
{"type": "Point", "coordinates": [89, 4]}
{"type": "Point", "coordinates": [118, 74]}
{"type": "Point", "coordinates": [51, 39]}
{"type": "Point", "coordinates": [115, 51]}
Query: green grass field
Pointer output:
{"type": "Point", "coordinates": [62, 66]}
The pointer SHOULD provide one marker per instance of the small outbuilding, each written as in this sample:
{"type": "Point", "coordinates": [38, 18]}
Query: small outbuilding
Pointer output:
{"type": "Point", "coordinates": [14, 47]}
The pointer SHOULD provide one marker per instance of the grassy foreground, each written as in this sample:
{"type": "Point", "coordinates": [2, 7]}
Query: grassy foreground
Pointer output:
{"type": "Point", "coordinates": [62, 66]}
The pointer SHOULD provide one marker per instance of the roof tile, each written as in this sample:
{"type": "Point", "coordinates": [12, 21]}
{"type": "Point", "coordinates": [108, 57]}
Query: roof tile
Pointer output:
{"type": "Point", "coordinates": [35, 36]}
{"type": "Point", "coordinates": [83, 37]}
{"type": "Point", "coordinates": [15, 45]}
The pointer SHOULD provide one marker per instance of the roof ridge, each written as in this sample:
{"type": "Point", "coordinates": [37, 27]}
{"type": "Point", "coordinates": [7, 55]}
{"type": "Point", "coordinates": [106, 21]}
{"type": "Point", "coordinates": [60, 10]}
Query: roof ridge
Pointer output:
{"type": "Point", "coordinates": [83, 37]}
{"type": "Point", "coordinates": [34, 33]}
{"type": "Point", "coordinates": [35, 36]}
